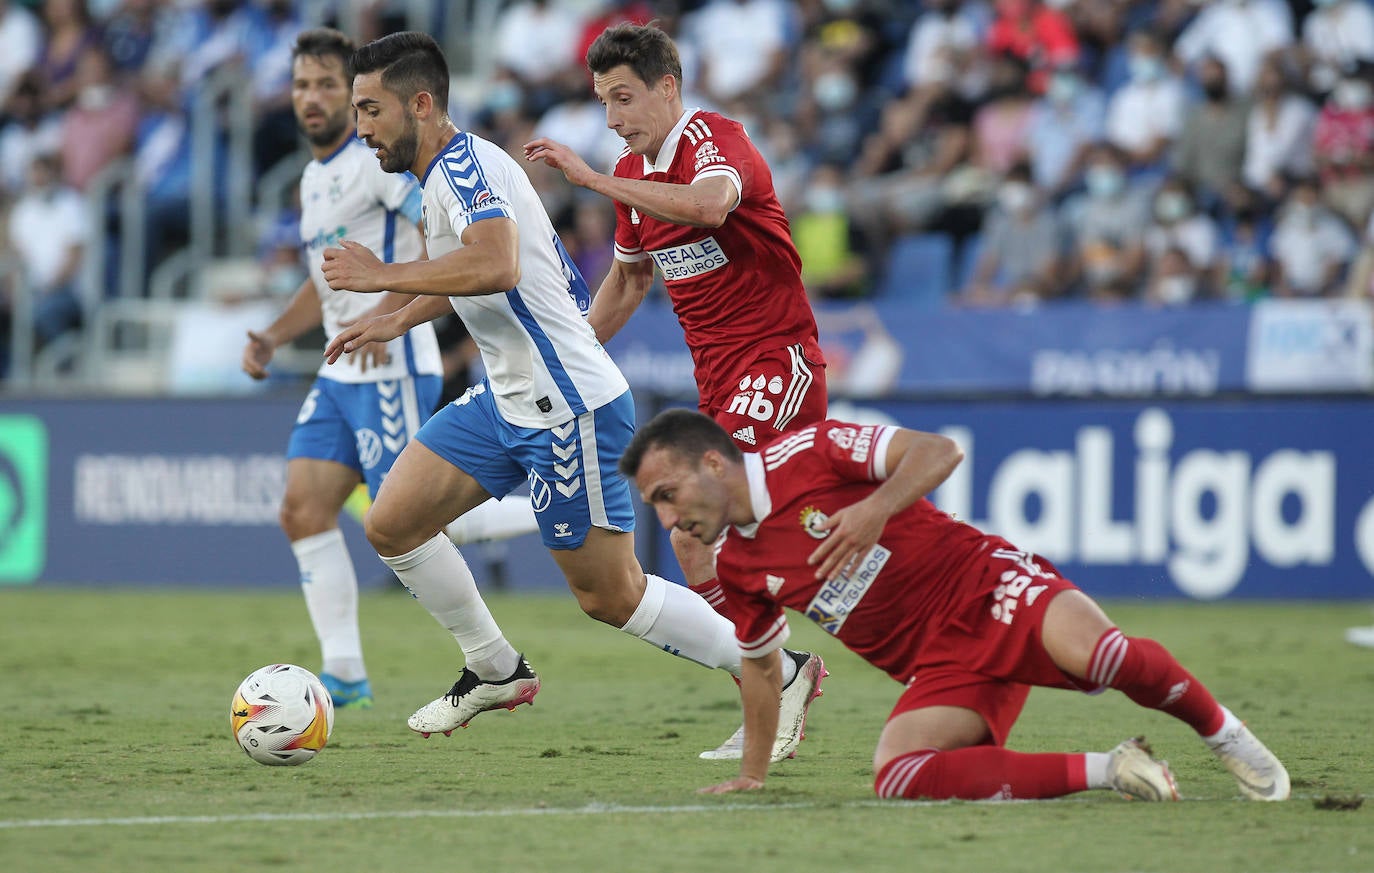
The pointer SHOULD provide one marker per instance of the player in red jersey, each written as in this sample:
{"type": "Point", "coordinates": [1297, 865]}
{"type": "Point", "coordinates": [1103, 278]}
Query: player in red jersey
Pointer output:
{"type": "Point", "coordinates": [831, 521]}
{"type": "Point", "coordinates": [695, 199]}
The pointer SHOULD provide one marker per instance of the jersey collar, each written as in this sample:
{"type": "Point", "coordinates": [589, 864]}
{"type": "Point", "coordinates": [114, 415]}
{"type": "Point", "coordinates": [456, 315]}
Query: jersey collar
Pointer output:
{"type": "Point", "coordinates": [348, 141]}
{"type": "Point", "coordinates": [443, 151]}
{"type": "Point", "coordinates": [669, 149]}
{"type": "Point", "coordinates": [759, 498]}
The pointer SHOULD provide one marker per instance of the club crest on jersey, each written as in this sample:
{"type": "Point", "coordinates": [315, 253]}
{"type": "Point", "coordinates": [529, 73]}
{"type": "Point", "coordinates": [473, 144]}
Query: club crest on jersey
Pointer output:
{"type": "Point", "coordinates": [811, 521]}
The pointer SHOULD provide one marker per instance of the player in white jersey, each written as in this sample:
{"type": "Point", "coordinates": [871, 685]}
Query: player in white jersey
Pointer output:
{"type": "Point", "coordinates": [554, 409]}
{"type": "Point", "coordinates": [362, 409]}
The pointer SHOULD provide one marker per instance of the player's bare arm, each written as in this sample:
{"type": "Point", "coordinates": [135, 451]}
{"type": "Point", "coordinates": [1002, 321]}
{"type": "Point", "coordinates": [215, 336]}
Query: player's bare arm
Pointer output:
{"type": "Point", "coordinates": [488, 263]}
{"type": "Point", "coordinates": [759, 688]}
{"type": "Point", "coordinates": [705, 203]}
{"type": "Point", "coordinates": [301, 314]}
{"type": "Point", "coordinates": [385, 328]}
{"type": "Point", "coordinates": [917, 463]}
{"type": "Point", "coordinates": [619, 296]}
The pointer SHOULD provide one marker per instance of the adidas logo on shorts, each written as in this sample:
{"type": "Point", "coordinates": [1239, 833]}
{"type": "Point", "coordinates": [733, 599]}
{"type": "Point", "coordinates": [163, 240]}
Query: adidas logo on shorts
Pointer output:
{"type": "Point", "coordinates": [746, 435]}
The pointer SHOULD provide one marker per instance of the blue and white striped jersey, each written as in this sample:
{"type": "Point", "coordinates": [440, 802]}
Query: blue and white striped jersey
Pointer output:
{"type": "Point", "coordinates": [542, 358]}
{"type": "Point", "coordinates": [349, 196]}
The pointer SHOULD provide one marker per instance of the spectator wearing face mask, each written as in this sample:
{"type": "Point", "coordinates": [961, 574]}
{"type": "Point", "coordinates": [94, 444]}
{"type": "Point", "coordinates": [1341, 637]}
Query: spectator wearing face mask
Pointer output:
{"type": "Point", "coordinates": [1211, 147]}
{"type": "Point", "coordinates": [832, 266]}
{"type": "Point", "coordinates": [1278, 133]}
{"type": "Point", "coordinates": [47, 235]}
{"type": "Point", "coordinates": [1146, 114]}
{"type": "Point", "coordinates": [1020, 260]}
{"type": "Point", "coordinates": [1106, 227]}
{"type": "Point", "coordinates": [1064, 124]}
{"type": "Point", "coordinates": [1336, 35]}
{"type": "Point", "coordinates": [1178, 224]}
{"type": "Point", "coordinates": [1312, 246]}
{"type": "Point", "coordinates": [1343, 146]}
{"type": "Point", "coordinates": [1173, 281]}
{"type": "Point", "coordinates": [100, 126]}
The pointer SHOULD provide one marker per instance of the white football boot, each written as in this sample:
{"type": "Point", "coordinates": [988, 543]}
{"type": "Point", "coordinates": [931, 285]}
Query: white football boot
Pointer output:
{"type": "Point", "coordinates": [471, 695]}
{"type": "Point", "coordinates": [1260, 775]}
{"type": "Point", "coordinates": [1136, 773]}
{"type": "Point", "coordinates": [793, 706]}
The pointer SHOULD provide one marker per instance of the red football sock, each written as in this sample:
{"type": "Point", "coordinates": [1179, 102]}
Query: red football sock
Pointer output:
{"type": "Point", "coordinates": [1144, 671]}
{"type": "Point", "coordinates": [711, 592]}
{"type": "Point", "coordinates": [981, 773]}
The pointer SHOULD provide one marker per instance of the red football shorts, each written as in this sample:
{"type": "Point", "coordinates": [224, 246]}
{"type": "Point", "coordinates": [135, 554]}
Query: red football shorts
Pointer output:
{"type": "Point", "coordinates": [777, 392]}
{"type": "Point", "coordinates": [988, 655]}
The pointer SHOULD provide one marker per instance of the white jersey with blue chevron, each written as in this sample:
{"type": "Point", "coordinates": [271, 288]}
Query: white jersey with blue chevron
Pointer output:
{"type": "Point", "coordinates": [542, 358]}
{"type": "Point", "coordinates": [349, 196]}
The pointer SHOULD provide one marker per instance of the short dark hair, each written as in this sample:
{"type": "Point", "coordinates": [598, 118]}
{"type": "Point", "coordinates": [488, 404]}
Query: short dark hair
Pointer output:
{"type": "Point", "coordinates": [323, 42]}
{"type": "Point", "coordinates": [687, 433]}
{"type": "Point", "coordinates": [410, 62]}
{"type": "Point", "coordinates": [642, 47]}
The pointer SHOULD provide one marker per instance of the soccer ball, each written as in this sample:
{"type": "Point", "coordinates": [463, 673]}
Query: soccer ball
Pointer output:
{"type": "Point", "coordinates": [281, 715]}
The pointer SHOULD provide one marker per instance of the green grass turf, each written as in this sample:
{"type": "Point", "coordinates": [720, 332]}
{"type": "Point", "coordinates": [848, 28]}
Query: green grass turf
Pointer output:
{"type": "Point", "coordinates": [115, 752]}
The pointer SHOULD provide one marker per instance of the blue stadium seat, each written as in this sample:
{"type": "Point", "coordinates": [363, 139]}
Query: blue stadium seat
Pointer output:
{"type": "Point", "coordinates": [919, 270]}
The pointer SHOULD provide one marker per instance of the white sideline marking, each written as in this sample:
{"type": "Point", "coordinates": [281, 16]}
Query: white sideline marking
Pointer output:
{"type": "Point", "coordinates": [535, 811]}
{"type": "Point", "coordinates": [590, 809]}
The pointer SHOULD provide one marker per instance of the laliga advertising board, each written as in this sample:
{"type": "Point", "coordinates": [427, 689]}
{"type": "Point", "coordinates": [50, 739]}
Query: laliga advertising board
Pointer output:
{"type": "Point", "coordinates": [1202, 499]}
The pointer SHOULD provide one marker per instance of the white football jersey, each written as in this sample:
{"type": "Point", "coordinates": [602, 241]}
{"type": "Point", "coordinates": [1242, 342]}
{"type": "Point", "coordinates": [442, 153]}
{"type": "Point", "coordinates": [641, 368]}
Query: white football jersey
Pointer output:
{"type": "Point", "coordinates": [542, 358]}
{"type": "Point", "coordinates": [349, 196]}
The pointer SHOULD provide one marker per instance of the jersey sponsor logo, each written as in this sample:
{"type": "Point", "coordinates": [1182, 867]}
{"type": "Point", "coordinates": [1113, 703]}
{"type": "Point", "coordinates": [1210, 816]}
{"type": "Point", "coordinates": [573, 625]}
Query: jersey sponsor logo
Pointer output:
{"type": "Point", "coordinates": [857, 441]}
{"type": "Point", "coordinates": [838, 598]}
{"type": "Point", "coordinates": [707, 154]}
{"type": "Point", "coordinates": [746, 435]}
{"type": "Point", "coordinates": [369, 447]}
{"type": "Point", "coordinates": [689, 261]}
{"type": "Point", "coordinates": [811, 521]}
{"type": "Point", "coordinates": [324, 239]}
{"type": "Point", "coordinates": [754, 398]}
{"type": "Point", "coordinates": [773, 583]}
{"type": "Point", "coordinates": [1015, 586]}
{"type": "Point", "coordinates": [540, 493]}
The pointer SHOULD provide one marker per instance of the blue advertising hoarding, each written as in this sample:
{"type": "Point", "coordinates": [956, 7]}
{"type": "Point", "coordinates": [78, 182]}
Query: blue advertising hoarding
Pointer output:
{"type": "Point", "coordinates": [1199, 499]}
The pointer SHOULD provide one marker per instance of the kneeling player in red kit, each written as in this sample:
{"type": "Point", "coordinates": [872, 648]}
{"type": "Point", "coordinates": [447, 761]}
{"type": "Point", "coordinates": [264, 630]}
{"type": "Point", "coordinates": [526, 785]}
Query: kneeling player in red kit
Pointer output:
{"type": "Point", "coordinates": [832, 521]}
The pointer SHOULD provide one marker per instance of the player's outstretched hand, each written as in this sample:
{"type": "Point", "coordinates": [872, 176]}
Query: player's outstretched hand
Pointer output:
{"type": "Point", "coordinates": [739, 783]}
{"type": "Point", "coordinates": [257, 355]}
{"type": "Point", "coordinates": [560, 157]}
{"type": "Point", "coordinates": [356, 336]}
{"type": "Point", "coordinates": [352, 267]}
{"type": "Point", "coordinates": [373, 354]}
{"type": "Point", "coordinates": [854, 530]}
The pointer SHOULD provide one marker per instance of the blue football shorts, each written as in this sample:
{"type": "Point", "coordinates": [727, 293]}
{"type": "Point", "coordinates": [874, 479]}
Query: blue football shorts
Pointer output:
{"type": "Point", "coordinates": [363, 425]}
{"type": "Point", "coordinates": [571, 469]}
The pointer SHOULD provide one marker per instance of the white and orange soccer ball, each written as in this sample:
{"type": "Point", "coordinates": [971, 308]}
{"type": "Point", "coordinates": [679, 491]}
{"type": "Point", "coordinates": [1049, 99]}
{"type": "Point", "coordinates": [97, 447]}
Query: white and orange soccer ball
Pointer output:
{"type": "Point", "coordinates": [282, 715]}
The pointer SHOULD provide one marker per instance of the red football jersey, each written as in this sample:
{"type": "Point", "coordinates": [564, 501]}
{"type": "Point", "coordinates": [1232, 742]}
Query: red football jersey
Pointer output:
{"type": "Point", "coordinates": [924, 567]}
{"type": "Point", "coordinates": [736, 289]}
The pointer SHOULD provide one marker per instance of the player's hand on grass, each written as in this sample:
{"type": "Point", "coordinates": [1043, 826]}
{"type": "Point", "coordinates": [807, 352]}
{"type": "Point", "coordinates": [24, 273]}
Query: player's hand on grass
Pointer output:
{"type": "Point", "coordinates": [257, 355]}
{"type": "Point", "coordinates": [353, 267]}
{"type": "Point", "coordinates": [853, 531]}
{"type": "Point", "coordinates": [358, 335]}
{"type": "Point", "coordinates": [560, 157]}
{"type": "Point", "coordinates": [739, 783]}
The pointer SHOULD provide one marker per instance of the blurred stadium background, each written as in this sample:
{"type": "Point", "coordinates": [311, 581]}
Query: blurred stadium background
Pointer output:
{"type": "Point", "coordinates": [1120, 250]}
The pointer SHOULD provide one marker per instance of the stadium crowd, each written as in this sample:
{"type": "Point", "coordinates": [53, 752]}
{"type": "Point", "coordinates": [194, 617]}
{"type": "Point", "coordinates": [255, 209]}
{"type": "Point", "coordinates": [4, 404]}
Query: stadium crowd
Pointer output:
{"type": "Point", "coordinates": [977, 153]}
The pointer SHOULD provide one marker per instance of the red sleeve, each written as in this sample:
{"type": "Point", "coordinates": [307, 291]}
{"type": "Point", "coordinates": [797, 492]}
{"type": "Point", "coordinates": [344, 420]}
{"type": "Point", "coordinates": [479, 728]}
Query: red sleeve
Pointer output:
{"type": "Point", "coordinates": [627, 243]}
{"type": "Point", "coordinates": [856, 452]}
{"type": "Point", "coordinates": [760, 625]}
{"type": "Point", "coordinates": [717, 146]}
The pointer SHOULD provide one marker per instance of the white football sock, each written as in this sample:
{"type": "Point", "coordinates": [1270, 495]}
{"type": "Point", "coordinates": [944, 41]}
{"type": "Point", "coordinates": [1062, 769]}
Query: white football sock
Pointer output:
{"type": "Point", "coordinates": [330, 587]}
{"type": "Point", "coordinates": [1095, 769]}
{"type": "Point", "coordinates": [494, 520]}
{"type": "Point", "coordinates": [1229, 722]}
{"type": "Point", "coordinates": [677, 620]}
{"type": "Point", "coordinates": [438, 577]}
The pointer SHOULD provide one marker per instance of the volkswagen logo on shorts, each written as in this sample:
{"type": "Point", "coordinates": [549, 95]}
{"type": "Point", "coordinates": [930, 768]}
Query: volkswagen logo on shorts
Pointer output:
{"type": "Point", "coordinates": [540, 496]}
{"type": "Point", "coordinates": [369, 448]}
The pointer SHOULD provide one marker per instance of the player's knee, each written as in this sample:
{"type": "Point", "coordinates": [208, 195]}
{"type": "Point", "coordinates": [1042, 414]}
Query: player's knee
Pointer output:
{"type": "Point", "coordinates": [299, 519]}
{"type": "Point", "coordinates": [386, 538]}
{"type": "Point", "coordinates": [608, 604]}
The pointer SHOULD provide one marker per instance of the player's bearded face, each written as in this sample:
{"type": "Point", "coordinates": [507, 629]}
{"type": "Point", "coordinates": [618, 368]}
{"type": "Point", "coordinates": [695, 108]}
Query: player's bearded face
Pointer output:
{"type": "Point", "coordinates": [399, 154]}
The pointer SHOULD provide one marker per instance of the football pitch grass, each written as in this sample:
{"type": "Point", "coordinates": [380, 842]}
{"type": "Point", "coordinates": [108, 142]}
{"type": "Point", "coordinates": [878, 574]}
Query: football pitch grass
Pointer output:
{"type": "Point", "coordinates": [115, 752]}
